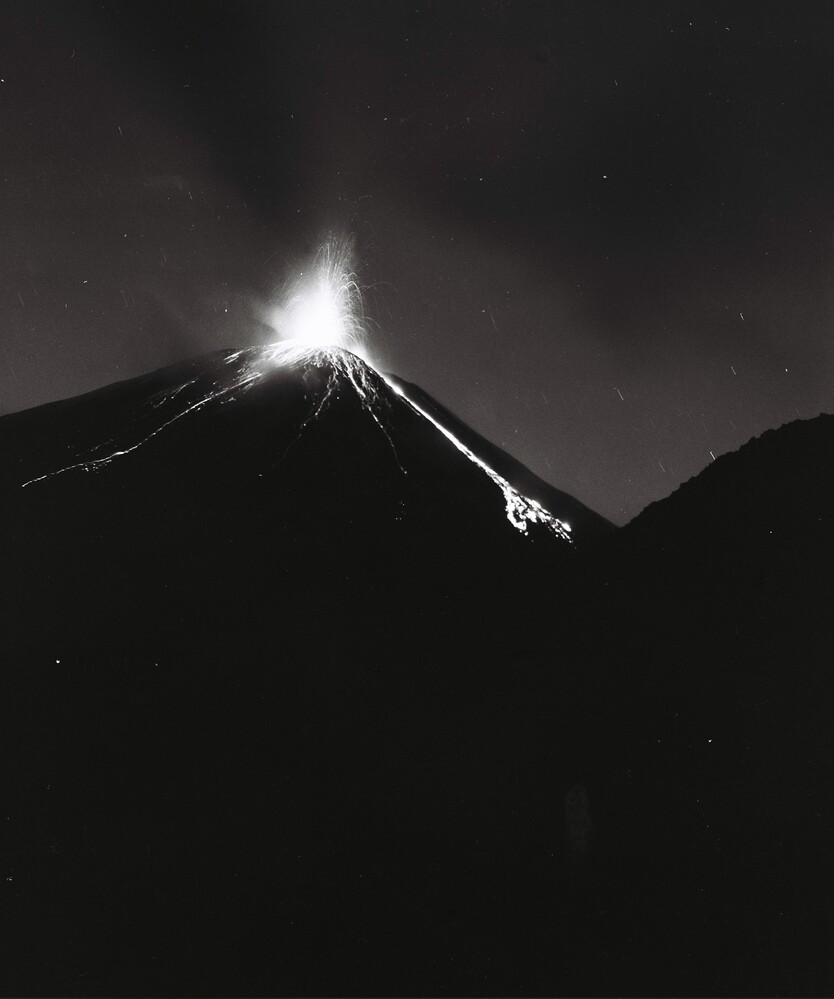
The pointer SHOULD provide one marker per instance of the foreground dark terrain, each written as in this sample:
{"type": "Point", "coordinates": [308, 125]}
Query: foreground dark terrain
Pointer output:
{"type": "Point", "coordinates": [291, 707]}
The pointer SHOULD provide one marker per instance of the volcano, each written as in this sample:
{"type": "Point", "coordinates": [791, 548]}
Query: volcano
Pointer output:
{"type": "Point", "coordinates": [308, 690]}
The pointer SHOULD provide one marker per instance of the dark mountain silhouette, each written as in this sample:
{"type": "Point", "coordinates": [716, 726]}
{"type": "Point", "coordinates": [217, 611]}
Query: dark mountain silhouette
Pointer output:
{"type": "Point", "coordinates": [717, 604]}
{"type": "Point", "coordinates": [258, 623]}
{"type": "Point", "coordinates": [291, 705]}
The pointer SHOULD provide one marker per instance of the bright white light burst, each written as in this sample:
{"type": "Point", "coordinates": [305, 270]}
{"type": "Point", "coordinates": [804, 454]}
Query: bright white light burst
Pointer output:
{"type": "Point", "coordinates": [323, 305]}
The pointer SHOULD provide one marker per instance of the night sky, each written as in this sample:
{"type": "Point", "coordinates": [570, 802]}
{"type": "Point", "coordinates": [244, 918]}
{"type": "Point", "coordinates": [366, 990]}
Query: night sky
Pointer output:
{"type": "Point", "coordinates": [600, 232]}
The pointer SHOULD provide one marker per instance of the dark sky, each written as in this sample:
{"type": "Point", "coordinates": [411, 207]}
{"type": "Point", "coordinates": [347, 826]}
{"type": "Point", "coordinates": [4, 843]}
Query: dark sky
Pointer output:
{"type": "Point", "coordinates": [600, 232]}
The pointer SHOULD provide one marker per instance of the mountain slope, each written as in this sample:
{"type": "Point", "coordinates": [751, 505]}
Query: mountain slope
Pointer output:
{"type": "Point", "coordinates": [257, 451]}
{"type": "Point", "coordinates": [68, 435]}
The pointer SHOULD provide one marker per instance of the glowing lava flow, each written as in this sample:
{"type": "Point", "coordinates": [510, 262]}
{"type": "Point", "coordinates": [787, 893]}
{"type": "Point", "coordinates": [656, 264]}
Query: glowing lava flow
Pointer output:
{"type": "Point", "coordinates": [359, 374]}
{"type": "Point", "coordinates": [324, 311]}
{"type": "Point", "coordinates": [248, 367]}
{"type": "Point", "coordinates": [521, 511]}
